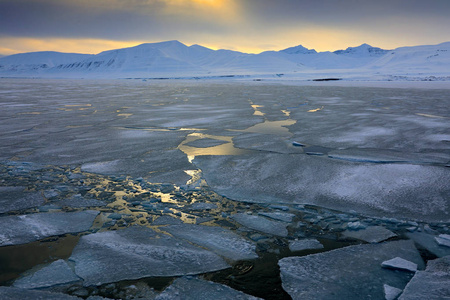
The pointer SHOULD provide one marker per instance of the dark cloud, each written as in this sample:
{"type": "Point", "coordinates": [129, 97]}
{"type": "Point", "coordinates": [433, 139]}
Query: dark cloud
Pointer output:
{"type": "Point", "coordinates": [41, 18]}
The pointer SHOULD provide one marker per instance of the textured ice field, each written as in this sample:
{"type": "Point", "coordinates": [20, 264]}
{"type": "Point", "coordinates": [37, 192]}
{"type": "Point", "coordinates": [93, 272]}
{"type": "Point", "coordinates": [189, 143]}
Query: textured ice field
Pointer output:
{"type": "Point", "coordinates": [376, 151]}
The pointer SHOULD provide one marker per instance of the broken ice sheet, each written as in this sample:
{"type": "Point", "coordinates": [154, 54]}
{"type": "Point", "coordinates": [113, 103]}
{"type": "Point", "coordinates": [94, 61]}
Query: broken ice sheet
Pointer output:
{"type": "Point", "coordinates": [352, 272]}
{"type": "Point", "coordinates": [10, 293]}
{"type": "Point", "coordinates": [306, 244]}
{"type": "Point", "coordinates": [221, 241]}
{"type": "Point", "coordinates": [16, 198]}
{"type": "Point", "coordinates": [137, 252]}
{"type": "Point", "coordinates": [261, 224]}
{"type": "Point", "coordinates": [193, 288]}
{"type": "Point", "coordinates": [399, 264]}
{"type": "Point", "coordinates": [372, 234]}
{"type": "Point", "coordinates": [28, 228]}
{"type": "Point", "coordinates": [56, 273]}
{"type": "Point", "coordinates": [433, 283]}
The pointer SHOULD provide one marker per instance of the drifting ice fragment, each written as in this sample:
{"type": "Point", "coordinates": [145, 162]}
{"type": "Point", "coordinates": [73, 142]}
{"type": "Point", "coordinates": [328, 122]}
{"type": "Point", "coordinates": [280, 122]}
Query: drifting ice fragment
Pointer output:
{"type": "Point", "coordinates": [390, 292]}
{"type": "Point", "coordinates": [193, 288]}
{"type": "Point", "coordinates": [431, 284]}
{"type": "Point", "coordinates": [400, 263]}
{"type": "Point", "coordinates": [216, 239]}
{"type": "Point", "coordinates": [10, 293]}
{"type": "Point", "coordinates": [28, 228]}
{"type": "Point", "coordinates": [261, 224]}
{"type": "Point", "coordinates": [373, 234]}
{"type": "Point", "coordinates": [58, 272]}
{"type": "Point", "coordinates": [138, 252]}
{"type": "Point", "coordinates": [304, 245]}
{"type": "Point", "coordinates": [347, 273]}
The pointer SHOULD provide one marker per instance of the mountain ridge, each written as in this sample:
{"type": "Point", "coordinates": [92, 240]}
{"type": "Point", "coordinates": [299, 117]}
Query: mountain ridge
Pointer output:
{"type": "Point", "coordinates": [173, 58]}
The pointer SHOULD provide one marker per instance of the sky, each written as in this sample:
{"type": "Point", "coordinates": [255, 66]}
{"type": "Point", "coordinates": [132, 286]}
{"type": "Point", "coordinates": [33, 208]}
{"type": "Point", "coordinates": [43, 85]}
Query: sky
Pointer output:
{"type": "Point", "coordinates": [252, 26]}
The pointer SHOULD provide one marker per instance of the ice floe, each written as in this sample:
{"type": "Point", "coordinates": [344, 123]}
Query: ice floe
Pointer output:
{"type": "Point", "coordinates": [372, 234]}
{"type": "Point", "coordinates": [261, 224]}
{"type": "Point", "coordinates": [28, 228]}
{"type": "Point", "coordinates": [137, 252]}
{"type": "Point", "coordinates": [351, 272]}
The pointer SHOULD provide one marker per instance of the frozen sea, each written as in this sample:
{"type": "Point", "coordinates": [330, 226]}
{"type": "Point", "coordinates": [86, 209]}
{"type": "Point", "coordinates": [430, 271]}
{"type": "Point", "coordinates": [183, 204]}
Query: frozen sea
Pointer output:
{"type": "Point", "coordinates": [130, 184]}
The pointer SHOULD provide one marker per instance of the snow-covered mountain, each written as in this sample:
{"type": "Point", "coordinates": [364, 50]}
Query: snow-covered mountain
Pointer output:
{"type": "Point", "coordinates": [174, 59]}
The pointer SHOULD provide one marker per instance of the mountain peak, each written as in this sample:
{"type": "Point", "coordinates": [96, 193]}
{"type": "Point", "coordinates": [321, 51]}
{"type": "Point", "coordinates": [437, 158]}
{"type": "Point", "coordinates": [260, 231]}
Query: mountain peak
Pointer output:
{"type": "Point", "coordinates": [298, 50]}
{"type": "Point", "coordinates": [363, 49]}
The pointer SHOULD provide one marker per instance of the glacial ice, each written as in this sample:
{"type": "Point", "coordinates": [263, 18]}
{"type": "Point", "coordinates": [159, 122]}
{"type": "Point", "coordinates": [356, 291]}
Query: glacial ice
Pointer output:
{"type": "Point", "coordinates": [137, 252]}
{"type": "Point", "coordinates": [56, 273]}
{"type": "Point", "coordinates": [353, 272]}
{"type": "Point", "coordinates": [194, 288]}
{"type": "Point", "coordinates": [432, 284]}
{"type": "Point", "coordinates": [28, 228]}
{"type": "Point", "coordinates": [261, 224]}
{"type": "Point", "coordinates": [221, 241]}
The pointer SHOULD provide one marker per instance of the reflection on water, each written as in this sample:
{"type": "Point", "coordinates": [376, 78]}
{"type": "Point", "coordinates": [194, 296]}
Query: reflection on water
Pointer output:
{"type": "Point", "coordinates": [314, 110]}
{"type": "Point", "coordinates": [257, 111]}
{"type": "Point", "coordinates": [224, 149]}
{"type": "Point", "coordinates": [271, 127]}
{"type": "Point", "coordinates": [286, 112]}
{"type": "Point", "coordinates": [431, 116]}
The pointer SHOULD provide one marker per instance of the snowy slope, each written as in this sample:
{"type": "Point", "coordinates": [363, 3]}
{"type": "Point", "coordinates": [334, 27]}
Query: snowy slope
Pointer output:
{"type": "Point", "coordinates": [174, 59]}
{"type": "Point", "coordinates": [435, 58]}
{"type": "Point", "coordinates": [38, 61]}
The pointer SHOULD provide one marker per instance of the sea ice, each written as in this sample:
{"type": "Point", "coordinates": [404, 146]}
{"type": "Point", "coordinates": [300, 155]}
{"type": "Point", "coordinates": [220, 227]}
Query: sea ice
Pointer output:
{"type": "Point", "coordinates": [56, 273]}
{"type": "Point", "coordinates": [78, 201]}
{"type": "Point", "coordinates": [193, 288]}
{"type": "Point", "coordinates": [307, 244]}
{"type": "Point", "coordinates": [28, 228]}
{"type": "Point", "coordinates": [419, 191]}
{"type": "Point", "coordinates": [400, 264]}
{"type": "Point", "coordinates": [372, 234]}
{"type": "Point", "coordinates": [428, 242]}
{"type": "Point", "coordinates": [221, 241]}
{"type": "Point", "coordinates": [431, 284]}
{"type": "Point", "coordinates": [261, 224]}
{"type": "Point", "coordinates": [390, 292]}
{"type": "Point", "coordinates": [15, 198]}
{"type": "Point", "coordinates": [12, 293]}
{"type": "Point", "coordinates": [352, 272]}
{"type": "Point", "coordinates": [137, 252]}
{"type": "Point", "coordinates": [279, 216]}
{"type": "Point", "coordinates": [443, 241]}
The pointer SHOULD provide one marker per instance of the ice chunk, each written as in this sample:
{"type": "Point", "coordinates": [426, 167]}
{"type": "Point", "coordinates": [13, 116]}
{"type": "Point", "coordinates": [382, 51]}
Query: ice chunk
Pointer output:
{"type": "Point", "coordinates": [202, 206]}
{"type": "Point", "coordinates": [221, 241]}
{"type": "Point", "coordinates": [78, 201]}
{"type": "Point", "coordinates": [140, 252]}
{"type": "Point", "coordinates": [390, 292]}
{"type": "Point", "coordinates": [10, 293]}
{"type": "Point", "coordinates": [167, 220]}
{"type": "Point", "coordinates": [428, 242]}
{"type": "Point", "coordinates": [28, 228]}
{"type": "Point", "coordinates": [372, 234]}
{"type": "Point", "coordinates": [15, 198]}
{"type": "Point", "coordinates": [442, 241]}
{"type": "Point", "coordinates": [352, 272]}
{"type": "Point", "coordinates": [280, 216]}
{"type": "Point", "coordinates": [58, 272]}
{"type": "Point", "coordinates": [193, 288]}
{"type": "Point", "coordinates": [400, 264]}
{"type": "Point", "coordinates": [300, 245]}
{"type": "Point", "coordinates": [431, 284]}
{"type": "Point", "coordinates": [261, 224]}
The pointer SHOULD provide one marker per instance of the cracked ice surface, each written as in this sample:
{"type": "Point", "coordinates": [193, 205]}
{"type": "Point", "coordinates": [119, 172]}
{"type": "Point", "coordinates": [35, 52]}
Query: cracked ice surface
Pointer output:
{"type": "Point", "coordinates": [216, 239]}
{"type": "Point", "coordinates": [193, 288]}
{"type": "Point", "coordinates": [14, 198]}
{"type": "Point", "coordinates": [396, 190]}
{"type": "Point", "coordinates": [353, 272]}
{"type": "Point", "coordinates": [139, 252]}
{"type": "Point", "coordinates": [58, 272]}
{"type": "Point", "coordinates": [28, 228]}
